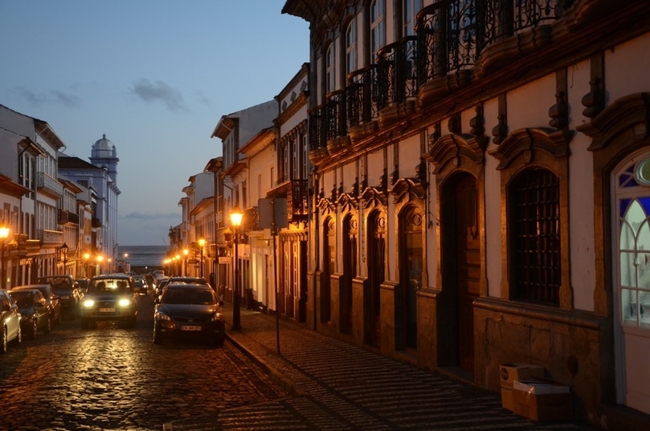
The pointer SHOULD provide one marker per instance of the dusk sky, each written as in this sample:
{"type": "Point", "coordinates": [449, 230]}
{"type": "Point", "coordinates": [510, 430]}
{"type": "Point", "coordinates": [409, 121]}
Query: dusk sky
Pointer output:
{"type": "Point", "coordinates": [155, 76]}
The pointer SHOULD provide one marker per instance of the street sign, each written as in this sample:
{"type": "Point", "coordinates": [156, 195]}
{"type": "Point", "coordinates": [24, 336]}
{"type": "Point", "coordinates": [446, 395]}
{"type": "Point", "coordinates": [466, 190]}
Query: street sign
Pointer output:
{"type": "Point", "coordinates": [272, 210]}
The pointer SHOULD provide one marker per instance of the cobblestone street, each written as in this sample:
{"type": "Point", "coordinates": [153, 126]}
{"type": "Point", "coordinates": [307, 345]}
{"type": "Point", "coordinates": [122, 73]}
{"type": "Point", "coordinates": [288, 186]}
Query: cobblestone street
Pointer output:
{"type": "Point", "coordinates": [110, 378]}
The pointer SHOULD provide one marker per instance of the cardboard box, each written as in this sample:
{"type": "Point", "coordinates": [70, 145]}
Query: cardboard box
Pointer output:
{"type": "Point", "coordinates": [510, 373]}
{"type": "Point", "coordinates": [514, 372]}
{"type": "Point", "coordinates": [542, 401]}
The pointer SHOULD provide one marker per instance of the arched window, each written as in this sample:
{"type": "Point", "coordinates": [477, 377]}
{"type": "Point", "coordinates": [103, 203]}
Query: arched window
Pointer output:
{"type": "Point", "coordinates": [534, 236]}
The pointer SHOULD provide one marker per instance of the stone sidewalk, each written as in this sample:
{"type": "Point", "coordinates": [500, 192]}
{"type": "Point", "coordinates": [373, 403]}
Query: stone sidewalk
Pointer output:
{"type": "Point", "coordinates": [336, 386]}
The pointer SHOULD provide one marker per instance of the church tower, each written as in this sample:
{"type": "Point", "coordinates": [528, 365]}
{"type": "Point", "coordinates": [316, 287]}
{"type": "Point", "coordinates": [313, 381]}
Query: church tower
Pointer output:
{"type": "Point", "coordinates": [104, 155]}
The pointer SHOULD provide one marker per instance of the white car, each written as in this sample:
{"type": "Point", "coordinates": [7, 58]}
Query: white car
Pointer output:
{"type": "Point", "coordinates": [10, 319]}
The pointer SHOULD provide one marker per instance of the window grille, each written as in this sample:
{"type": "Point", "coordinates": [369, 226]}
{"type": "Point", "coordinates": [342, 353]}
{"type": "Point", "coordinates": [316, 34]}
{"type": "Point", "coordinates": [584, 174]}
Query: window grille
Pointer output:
{"type": "Point", "coordinates": [534, 204]}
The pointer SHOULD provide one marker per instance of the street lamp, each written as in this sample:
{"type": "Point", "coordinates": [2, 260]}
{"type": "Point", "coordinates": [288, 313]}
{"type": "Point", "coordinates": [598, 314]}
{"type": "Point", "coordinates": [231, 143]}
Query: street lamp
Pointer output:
{"type": "Point", "coordinates": [64, 255]}
{"type": "Point", "coordinates": [86, 264]}
{"type": "Point", "coordinates": [201, 244]}
{"type": "Point", "coordinates": [100, 260]}
{"type": "Point", "coordinates": [4, 234]}
{"type": "Point", "coordinates": [235, 220]}
{"type": "Point", "coordinates": [185, 252]}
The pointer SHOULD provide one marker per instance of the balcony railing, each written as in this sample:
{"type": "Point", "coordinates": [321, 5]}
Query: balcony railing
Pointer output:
{"type": "Point", "coordinates": [48, 185]}
{"type": "Point", "coordinates": [450, 37]}
{"type": "Point", "coordinates": [362, 95]}
{"type": "Point", "coordinates": [251, 219]}
{"type": "Point", "coordinates": [398, 72]}
{"type": "Point", "coordinates": [50, 237]}
{"type": "Point", "coordinates": [297, 201]}
{"type": "Point", "coordinates": [66, 217]}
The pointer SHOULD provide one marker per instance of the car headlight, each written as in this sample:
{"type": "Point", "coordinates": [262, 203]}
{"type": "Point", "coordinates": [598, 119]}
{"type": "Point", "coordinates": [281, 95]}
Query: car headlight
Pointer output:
{"type": "Point", "coordinates": [164, 317]}
{"type": "Point", "coordinates": [89, 303]}
{"type": "Point", "coordinates": [217, 317]}
{"type": "Point", "coordinates": [123, 302]}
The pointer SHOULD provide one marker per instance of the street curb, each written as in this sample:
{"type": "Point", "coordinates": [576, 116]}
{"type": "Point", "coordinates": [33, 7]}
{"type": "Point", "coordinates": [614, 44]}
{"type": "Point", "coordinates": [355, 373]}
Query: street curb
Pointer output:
{"type": "Point", "coordinates": [275, 375]}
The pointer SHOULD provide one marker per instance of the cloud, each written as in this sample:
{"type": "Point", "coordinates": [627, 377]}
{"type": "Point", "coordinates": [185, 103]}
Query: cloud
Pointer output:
{"type": "Point", "coordinates": [51, 97]}
{"type": "Point", "coordinates": [159, 91]}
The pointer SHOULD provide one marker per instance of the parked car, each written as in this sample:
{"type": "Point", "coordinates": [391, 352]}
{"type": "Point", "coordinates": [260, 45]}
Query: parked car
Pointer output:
{"type": "Point", "coordinates": [83, 284]}
{"type": "Point", "coordinates": [189, 310]}
{"type": "Point", "coordinates": [140, 285]}
{"type": "Point", "coordinates": [160, 285]}
{"type": "Point", "coordinates": [68, 291]}
{"type": "Point", "coordinates": [35, 314]}
{"type": "Point", "coordinates": [53, 300]}
{"type": "Point", "coordinates": [10, 318]}
{"type": "Point", "coordinates": [110, 297]}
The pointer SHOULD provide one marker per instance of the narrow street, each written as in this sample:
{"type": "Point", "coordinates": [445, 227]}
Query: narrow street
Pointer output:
{"type": "Point", "coordinates": [110, 378]}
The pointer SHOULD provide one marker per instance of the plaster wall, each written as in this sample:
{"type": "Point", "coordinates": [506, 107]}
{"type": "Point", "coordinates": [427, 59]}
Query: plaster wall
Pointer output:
{"type": "Point", "coordinates": [375, 167]}
{"type": "Point", "coordinates": [528, 105]}
{"type": "Point", "coordinates": [624, 66]}
{"type": "Point", "coordinates": [581, 194]}
{"type": "Point", "coordinates": [493, 223]}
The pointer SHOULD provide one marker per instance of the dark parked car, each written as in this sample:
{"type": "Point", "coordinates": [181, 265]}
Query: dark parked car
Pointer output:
{"type": "Point", "coordinates": [83, 284]}
{"type": "Point", "coordinates": [68, 291]}
{"type": "Point", "coordinates": [34, 311]}
{"type": "Point", "coordinates": [140, 284]}
{"type": "Point", "coordinates": [10, 320]}
{"type": "Point", "coordinates": [189, 310]}
{"type": "Point", "coordinates": [110, 297]}
{"type": "Point", "coordinates": [179, 280]}
{"type": "Point", "coordinates": [53, 300]}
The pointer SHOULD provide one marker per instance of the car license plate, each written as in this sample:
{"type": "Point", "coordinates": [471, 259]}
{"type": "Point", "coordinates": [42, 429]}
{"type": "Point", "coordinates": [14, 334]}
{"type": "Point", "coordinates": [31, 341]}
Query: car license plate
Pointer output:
{"type": "Point", "coordinates": [107, 310]}
{"type": "Point", "coordinates": [190, 328]}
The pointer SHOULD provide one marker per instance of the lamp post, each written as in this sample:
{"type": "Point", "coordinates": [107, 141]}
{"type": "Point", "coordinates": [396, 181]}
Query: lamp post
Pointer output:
{"type": "Point", "coordinates": [201, 244]}
{"type": "Point", "coordinates": [235, 220]}
{"type": "Point", "coordinates": [86, 259]}
{"type": "Point", "coordinates": [4, 234]}
{"type": "Point", "coordinates": [185, 253]}
{"type": "Point", "coordinates": [64, 255]}
{"type": "Point", "coordinates": [100, 260]}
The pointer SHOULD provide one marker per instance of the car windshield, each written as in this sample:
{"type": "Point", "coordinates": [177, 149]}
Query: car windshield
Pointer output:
{"type": "Point", "coordinates": [188, 296]}
{"type": "Point", "coordinates": [58, 283]}
{"type": "Point", "coordinates": [23, 299]}
{"type": "Point", "coordinates": [110, 286]}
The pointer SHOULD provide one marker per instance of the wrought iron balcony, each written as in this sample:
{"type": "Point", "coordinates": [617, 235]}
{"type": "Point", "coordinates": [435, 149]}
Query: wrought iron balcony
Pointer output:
{"type": "Point", "coordinates": [49, 186]}
{"type": "Point", "coordinates": [251, 219]}
{"type": "Point", "coordinates": [297, 201]}
{"type": "Point", "coordinates": [451, 36]}
{"type": "Point", "coordinates": [397, 78]}
{"type": "Point", "coordinates": [66, 217]}
{"type": "Point", "coordinates": [362, 95]}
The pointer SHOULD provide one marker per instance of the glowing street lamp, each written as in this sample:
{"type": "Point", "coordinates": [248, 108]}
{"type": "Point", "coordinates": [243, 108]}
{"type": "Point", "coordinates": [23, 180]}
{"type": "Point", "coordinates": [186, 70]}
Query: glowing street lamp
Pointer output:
{"type": "Point", "coordinates": [201, 244]}
{"type": "Point", "coordinates": [235, 220]}
{"type": "Point", "coordinates": [4, 234]}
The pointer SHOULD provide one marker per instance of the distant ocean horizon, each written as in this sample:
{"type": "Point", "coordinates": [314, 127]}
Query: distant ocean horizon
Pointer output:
{"type": "Point", "coordinates": [143, 255]}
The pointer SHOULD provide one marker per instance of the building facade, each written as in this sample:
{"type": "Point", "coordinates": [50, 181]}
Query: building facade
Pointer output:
{"type": "Point", "coordinates": [481, 188]}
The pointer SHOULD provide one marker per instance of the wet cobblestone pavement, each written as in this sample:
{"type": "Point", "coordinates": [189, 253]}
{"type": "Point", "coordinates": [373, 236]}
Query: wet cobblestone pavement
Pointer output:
{"type": "Point", "coordinates": [108, 378]}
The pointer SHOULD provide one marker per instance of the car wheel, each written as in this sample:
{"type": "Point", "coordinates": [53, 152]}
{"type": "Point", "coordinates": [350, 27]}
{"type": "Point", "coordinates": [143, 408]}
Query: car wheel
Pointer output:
{"type": "Point", "coordinates": [4, 341]}
{"type": "Point", "coordinates": [19, 335]}
{"type": "Point", "coordinates": [48, 326]}
{"type": "Point", "coordinates": [157, 337]}
{"type": "Point", "coordinates": [219, 340]}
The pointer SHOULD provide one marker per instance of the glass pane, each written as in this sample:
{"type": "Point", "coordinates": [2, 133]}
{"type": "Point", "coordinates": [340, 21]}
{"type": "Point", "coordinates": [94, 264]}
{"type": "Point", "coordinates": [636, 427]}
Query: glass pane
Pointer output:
{"type": "Point", "coordinates": [628, 270]}
{"type": "Point", "coordinates": [643, 172]}
{"type": "Point", "coordinates": [629, 306]}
